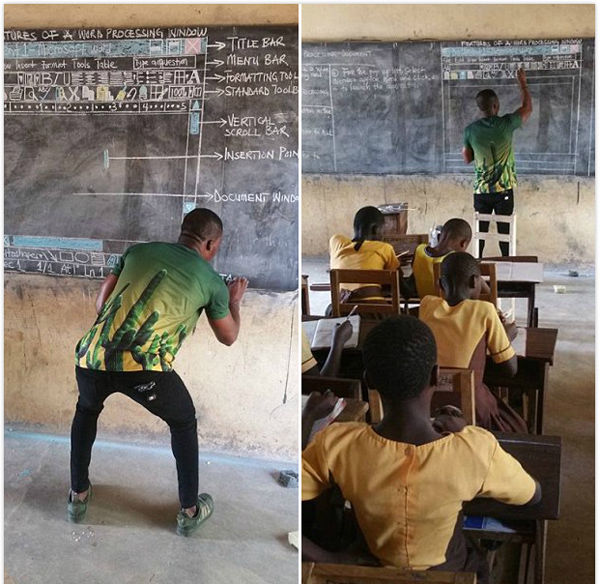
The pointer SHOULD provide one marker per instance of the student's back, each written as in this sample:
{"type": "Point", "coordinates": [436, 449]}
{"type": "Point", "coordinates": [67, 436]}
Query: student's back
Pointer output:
{"type": "Point", "coordinates": [407, 498]}
{"type": "Point", "coordinates": [364, 252]}
{"type": "Point", "coordinates": [371, 255]}
{"type": "Point", "coordinates": [465, 331]}
{"type": "Point", "coordinates": [405, 480]}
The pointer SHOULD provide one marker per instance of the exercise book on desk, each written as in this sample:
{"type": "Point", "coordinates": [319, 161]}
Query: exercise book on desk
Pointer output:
{"type": "Point", "coordinates": [519, 271]}
{"type": "Point", "coordinates": [320, 331]}
{"type": "Point", "coordinates": [487, 524]}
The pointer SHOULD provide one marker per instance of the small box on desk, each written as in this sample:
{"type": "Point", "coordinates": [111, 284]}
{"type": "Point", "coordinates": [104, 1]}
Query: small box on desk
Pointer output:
{"type": "Point", "coordinates": [396, 218]}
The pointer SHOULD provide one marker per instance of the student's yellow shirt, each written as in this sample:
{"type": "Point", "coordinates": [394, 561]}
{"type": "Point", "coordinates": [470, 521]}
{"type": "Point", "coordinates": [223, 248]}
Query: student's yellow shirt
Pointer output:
{"type": "Point", "coordinates": [406, 497]}
{"type": "Point", "coordinates": [458, 330]}
{"type": "Point", "coordinates": [372, 255]}
{"type": "Point", "coordinates": [308, 359]}
{"type": "Point", "coordinates": [423, 270]}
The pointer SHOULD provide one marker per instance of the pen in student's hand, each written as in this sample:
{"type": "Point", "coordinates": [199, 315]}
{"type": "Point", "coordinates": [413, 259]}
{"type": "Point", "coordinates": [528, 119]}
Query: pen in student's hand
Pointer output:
{"type": "Point", "coordinates": [352, 312]}
{"type": "Point", "coordinates": [402, 253]}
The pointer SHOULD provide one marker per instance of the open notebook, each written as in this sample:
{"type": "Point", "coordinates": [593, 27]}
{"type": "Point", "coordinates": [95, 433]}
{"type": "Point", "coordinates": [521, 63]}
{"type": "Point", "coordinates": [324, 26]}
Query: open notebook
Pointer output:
{"type": "Point", "coordinates": [319, 332]}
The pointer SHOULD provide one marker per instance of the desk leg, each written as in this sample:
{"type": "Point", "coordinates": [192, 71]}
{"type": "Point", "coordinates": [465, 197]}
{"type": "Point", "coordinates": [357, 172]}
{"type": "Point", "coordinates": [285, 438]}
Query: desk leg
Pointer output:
{"type": "Point", "coordinates": [533, 404]}
{"type": "Point", "coordinates": [541, 527]}
{"type": "Point", "coordinates": [531, 307]}
{"type": "Point", "coordinates": [545, 368]}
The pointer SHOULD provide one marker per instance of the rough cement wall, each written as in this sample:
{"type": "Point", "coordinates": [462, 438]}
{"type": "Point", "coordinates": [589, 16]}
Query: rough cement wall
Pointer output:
{"type": "Point", "coordinates": [402, 22]}
{"type": "Point", "coordinates": [555, 215]}
{"type": "Point", "coordinates": [131, 15]}
{"type": "Point", "coordinates": [238, 390]}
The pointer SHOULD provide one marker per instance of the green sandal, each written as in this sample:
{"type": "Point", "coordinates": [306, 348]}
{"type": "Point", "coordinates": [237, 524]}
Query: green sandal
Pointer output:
{"type": "Point", "coordinates": [77, 509]}
{"type": "Point", "coordinates": [187, 525]}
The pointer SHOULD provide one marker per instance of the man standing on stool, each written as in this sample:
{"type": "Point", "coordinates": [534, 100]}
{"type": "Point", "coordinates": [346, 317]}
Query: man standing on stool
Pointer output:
{"type": "Point", "coordinates": [488, 142]}
{"type": "Point", "coordinates": [146, 308]}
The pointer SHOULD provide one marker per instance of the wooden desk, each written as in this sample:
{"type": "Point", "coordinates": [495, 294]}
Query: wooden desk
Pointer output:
{"type": "Point", "coordinates": [540, 456]}
{"type": "Point", "coordinates": [535, 358]}
{"type": "Point", "coordinates": [532, 373]}
{"type": "Point", "coordinates": [518, 280]}
{"type": "Point", "coordinates": [338, 385]}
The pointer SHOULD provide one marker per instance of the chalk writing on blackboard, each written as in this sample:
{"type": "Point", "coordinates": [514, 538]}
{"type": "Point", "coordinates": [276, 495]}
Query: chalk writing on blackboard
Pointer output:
{"type": "Point", "coordinates": [170, 118]}
{"type": "Point", "coordinates": [400, 108]}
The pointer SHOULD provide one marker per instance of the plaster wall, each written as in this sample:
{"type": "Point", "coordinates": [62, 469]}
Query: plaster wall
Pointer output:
{"type": "Point", "coordinates": [404, 22]}
{"type": "Point", "coordinates": [131, 15]}
{"type": "Point", "coordinates": [555, 215]}
{"type": "Point", "coordinates": [238, 391]}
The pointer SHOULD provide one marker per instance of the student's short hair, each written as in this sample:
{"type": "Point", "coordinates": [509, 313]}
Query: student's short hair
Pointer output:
{"type": "Point", "coordinates": [485, 99]}
{"type": "Point", "coordinates": [203, 224]}
{"type": "Point", "coordinates": [457, 229]}
{"type": "Point", "coordinates": [366, 220]}
{"type": "Point", "coordinates": [458, 267]}
{"type": "Point", "coordinates": [399, 355]}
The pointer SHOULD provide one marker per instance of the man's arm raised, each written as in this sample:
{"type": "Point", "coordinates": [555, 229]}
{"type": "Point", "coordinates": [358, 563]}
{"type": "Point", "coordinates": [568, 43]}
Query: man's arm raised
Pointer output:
{"type": "Point", "coordinates": [226, 329]}
{"type": "Point", "coordinates": [526, 106]}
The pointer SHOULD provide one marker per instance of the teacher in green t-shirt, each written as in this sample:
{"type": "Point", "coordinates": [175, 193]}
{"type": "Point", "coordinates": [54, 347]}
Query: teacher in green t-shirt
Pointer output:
{"type": "Point", "coordinates": [488, 142]}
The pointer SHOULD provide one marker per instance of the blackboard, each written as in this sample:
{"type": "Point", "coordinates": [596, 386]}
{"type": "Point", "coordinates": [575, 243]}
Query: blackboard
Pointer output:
{"type": "Point", "coordinates": [112, 135]}
{"type": "Point", "coordinates": [400, 108]}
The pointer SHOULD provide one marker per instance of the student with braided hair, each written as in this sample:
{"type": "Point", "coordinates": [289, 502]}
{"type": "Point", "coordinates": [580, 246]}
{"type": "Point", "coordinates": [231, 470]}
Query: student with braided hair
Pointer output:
{"type": "Point", "coordinates": [365, 251]}
{"type": "Point", "coordinates": [405, 477]}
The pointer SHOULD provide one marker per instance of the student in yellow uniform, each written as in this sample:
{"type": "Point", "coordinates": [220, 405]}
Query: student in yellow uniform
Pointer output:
{"type": "Point", "coordinates": [405, 477]}
{"type": "Point", "coordinates": [455, 236]}
{"type": "Point", "coordinates": [465, 328]}
{"type": "Point", "coordinates": [365, 251]}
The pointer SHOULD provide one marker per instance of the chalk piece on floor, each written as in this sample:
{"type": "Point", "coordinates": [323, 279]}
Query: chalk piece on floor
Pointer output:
{"type": "Point", "coordinates": [288, 478]}
{"type": "Point", "coordinates": [293, 537]}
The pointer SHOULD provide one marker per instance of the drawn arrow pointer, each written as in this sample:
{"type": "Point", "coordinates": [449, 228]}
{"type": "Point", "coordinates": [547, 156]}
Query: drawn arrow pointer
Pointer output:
{"type": "Point", "coordinates": [219, 92]}
{"type": "Point", "coordinates": [218, 77]}
{"type": "Point", "coordinates": [218, 45]}
{"type": "Point", "coordinates": [221, 122]}
{"type": "Point", "coordinates": [216, 63]}
{"type": "Point", "coordinates": [216, 155]}
{"type": "Point", "coordinates": [209, 196]}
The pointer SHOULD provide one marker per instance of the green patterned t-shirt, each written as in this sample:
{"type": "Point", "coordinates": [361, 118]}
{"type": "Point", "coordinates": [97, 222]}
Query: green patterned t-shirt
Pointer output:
{"type": "Point", "coordinates": [161, 291]}
{"type": "Point", "coordinates": [494, 160]}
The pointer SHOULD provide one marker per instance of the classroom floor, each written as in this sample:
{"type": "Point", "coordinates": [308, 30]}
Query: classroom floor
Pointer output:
{"type": "Point", "coordinates": [129, 533]}
{"type": "Point", "coordinates": [568, 412]}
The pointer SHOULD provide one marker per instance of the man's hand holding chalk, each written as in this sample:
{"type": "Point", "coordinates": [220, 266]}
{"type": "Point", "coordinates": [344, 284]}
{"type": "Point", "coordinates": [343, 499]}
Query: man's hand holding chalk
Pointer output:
{"type": "Point", "coordinates": [236, 289]}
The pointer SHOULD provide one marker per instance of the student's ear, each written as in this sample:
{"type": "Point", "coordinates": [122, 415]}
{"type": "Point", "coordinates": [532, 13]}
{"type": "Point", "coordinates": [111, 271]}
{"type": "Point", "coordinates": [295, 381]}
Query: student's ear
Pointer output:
{"type": "Point", "coordinates": [473, 281]}
{"type": "Point", "coordinates": [435, 373]}
{"type": "Point", "coordinates": [464, 244]}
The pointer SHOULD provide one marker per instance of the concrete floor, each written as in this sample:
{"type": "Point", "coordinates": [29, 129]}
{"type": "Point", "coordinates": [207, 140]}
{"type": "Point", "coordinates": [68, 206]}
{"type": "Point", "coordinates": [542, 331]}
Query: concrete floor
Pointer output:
{"type": "Point", "coordinates": [568, 412]}
{"type": "Point", "coordinates": [129, 533]}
